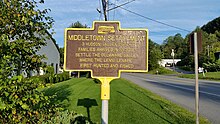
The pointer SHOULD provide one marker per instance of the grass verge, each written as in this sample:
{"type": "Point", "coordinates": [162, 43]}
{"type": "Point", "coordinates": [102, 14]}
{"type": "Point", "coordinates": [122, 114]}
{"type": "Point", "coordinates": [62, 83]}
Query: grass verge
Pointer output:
{"type": "Point", "coordinates": [208, 76]}
{"type": "Point", "coordinates": [162, 71]}
{"type": "Point", "coordinates": [129, 104]}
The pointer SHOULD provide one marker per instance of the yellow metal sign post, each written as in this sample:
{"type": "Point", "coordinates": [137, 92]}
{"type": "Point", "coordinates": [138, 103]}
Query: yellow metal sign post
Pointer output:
{"type": "Point", "coordinates": [105, 88]}
{"type": "Point", "coordinates": [106, 50]}
{"type": "Point", "coordinates": [105, 96]}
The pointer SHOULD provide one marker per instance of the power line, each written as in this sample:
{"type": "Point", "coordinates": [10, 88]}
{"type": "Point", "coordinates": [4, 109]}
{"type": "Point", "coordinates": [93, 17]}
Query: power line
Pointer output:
{"type": "Point", "coordinates": [135, 13]}
{"type": "Point", "coordinates": [117, 6]}
{"type": "Point", "coordinates": [114, 11]}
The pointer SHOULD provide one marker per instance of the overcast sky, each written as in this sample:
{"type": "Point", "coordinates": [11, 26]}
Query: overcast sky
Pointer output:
{"type": "Point", "coordinates": [185, 14]}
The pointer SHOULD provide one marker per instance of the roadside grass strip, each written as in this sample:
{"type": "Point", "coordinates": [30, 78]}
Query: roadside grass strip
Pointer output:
{"type": "Point", "coordinates": [208, 76]}
{"type": "Point", "coordinates": [129, 103]}
{"type": "Point", "coordinates": [162, 71]}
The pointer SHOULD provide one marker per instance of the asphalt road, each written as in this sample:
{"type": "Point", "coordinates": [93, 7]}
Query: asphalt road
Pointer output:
{"type": "Point", "coordinates": [181, 91]}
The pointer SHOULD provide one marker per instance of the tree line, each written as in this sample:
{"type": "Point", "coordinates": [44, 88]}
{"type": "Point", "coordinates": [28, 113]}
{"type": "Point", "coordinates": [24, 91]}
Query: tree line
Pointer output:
{"type": "Point", "coordinates": [210, 45]}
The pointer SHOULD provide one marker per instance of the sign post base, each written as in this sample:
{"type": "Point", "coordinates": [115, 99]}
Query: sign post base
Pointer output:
{"type": "Point", "coordinates": [105, 96]}
{"type": "Point", "coordinates": [104, 112]}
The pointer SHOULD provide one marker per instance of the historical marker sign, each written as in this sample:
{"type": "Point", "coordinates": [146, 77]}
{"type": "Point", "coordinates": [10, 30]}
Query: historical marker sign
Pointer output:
{"type": "Point", "coordinates": [106, 50]}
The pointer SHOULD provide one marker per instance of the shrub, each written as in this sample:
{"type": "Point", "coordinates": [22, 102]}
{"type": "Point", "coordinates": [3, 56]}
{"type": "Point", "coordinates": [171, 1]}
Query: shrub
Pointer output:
{"type": "Point", "coordinates": [186, 68]}
{"type": "Point", "coordinates": [47, 78]}
{"type": "Point", "coordinates": [49, 70]}
{"type": "Point", "coordinates": [67, 117]}
{"type": "Point", "coordinates": [212, 67]}
{"type": "Point", "coordinates": [161, 70]}
{"type": "Point", "coordinates": [21, 102]}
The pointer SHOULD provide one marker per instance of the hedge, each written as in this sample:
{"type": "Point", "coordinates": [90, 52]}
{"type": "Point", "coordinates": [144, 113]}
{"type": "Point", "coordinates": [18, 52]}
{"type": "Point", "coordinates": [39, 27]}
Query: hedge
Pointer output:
{"type": "Point", "coordinates": [52, 78]}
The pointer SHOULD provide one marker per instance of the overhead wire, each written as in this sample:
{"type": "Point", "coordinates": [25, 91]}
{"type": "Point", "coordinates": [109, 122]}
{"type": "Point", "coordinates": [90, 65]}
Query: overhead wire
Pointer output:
{"type": "Point", "coordinates": [154, 20]}
{"type": "Point", "coordinates": [117, 6]}
{"type": "Point", "coordinates": [114, 11]}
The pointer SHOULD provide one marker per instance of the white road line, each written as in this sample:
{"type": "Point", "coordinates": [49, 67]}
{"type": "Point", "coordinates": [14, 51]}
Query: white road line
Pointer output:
{"type": "Point", "coordinates": [181, 87]}
{"type": "Point", "coordinates": [188, 81]}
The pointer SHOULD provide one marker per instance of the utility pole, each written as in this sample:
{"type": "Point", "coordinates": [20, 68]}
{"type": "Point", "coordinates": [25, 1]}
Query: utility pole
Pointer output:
{"type": "Point", "coordinates": [105, 6]}
{"type": "Point", "coordinates": [105, 82]}
{"type": "Point", "coordinates": [196, 78]}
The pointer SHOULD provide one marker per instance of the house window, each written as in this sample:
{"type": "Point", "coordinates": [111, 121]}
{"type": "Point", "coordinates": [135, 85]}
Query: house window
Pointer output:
{"type": "Point", "coordinates": [56, 68]}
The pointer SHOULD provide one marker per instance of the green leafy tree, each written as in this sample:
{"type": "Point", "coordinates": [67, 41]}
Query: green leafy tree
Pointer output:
{"type": "Point", "coordinates": [77, 25]}
{"type": "Point", "coordinates": [209, 47]}
{"type": "Point", "coordinates": [177, 43]}
{"type": "Point", "coordinates": [26, 28]}
{"type": "Point", "coordinates": [154, 56]}
{"type": "Point", "coordinates": [22, 33]}
{"type": "Point", "coordinates": [212, 26]}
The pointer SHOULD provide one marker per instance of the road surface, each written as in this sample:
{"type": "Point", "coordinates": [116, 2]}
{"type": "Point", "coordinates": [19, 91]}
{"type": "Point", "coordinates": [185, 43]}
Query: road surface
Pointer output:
{"type": "Point", "coordinates": [181, 91]}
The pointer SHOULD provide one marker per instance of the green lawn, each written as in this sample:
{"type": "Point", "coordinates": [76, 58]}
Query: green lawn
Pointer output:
{"type": "Point", "coordinates": [208, 76]}
{"type": "Point", "coordinates": [129, 104]}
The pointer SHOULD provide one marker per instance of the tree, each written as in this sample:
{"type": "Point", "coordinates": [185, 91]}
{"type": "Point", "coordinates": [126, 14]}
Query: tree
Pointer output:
{"type": "Point", "coordinates": [174, 42]}
{"type": "Point", "coordinates": [77, 25]}
{"type": "Point", "coordinates": [154, 56]}
{"type": "Point", "coordinates": [25, 26]}
{"type": "Point", "coordinates": [22, 33]}
{"type": "Point", "coordinates": [212, 26]}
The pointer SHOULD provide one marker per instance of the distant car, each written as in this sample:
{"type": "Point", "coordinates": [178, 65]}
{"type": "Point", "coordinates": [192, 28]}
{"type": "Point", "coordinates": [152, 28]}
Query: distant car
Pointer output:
{"type": "Point", "coordinates": [168, 64]}
{"type": "Point", "coordinates": [74, 74]}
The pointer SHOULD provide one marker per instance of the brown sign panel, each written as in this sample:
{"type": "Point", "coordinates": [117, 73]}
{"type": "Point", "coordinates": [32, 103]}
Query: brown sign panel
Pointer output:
{"type": "Point", "coordinates": [106, 50]}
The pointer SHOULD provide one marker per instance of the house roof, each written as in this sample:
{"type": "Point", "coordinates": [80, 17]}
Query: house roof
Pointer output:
{"type": "Point", "coordinates": [54, 41]}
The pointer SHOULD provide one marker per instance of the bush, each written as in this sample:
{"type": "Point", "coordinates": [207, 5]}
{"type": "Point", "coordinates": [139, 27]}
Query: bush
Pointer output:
{"type": "Point", "coordinates": [48, 78]}
{"type": "Point", "coordinates": [161, 70]}
{"type": "Point", "coordinates": [67, 117]}
{"type": "Point", "coordinates": [49, 70]}
{"type": "Point", "coordinates": [21, 102]}
{"type": "Point", "coordinates": [62, 76]}
{"type": "Point", "coordinates": [212, 67]}
{"type": "Point", "coordinates": [187, 61]}
{"type": "Point", "coordinates": [186, 68]}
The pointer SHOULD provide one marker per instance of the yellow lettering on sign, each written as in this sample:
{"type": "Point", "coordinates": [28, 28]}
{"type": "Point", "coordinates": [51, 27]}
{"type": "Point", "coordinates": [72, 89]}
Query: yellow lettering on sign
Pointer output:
{"type": "Point", "coordinates": [126, 66]}
{"type": "Point", "coordinates": [85, 65]}
{"type": "Point", "coordinates": [101, 65]}
{"type": "Point", "coordinates": [83, 54]}
{"type": "Point", "coordinates": [86, 37]}
{"type": "Point", "coordinates": [85, 59]}
{"type": "Point", "coordinates": [86, 49]}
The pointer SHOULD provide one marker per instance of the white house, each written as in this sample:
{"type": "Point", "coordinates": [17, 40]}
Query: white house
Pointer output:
{"type": "Point", "coordinates": [52, 54]}
{"type": "Point", "coordinates": [51, 51]}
